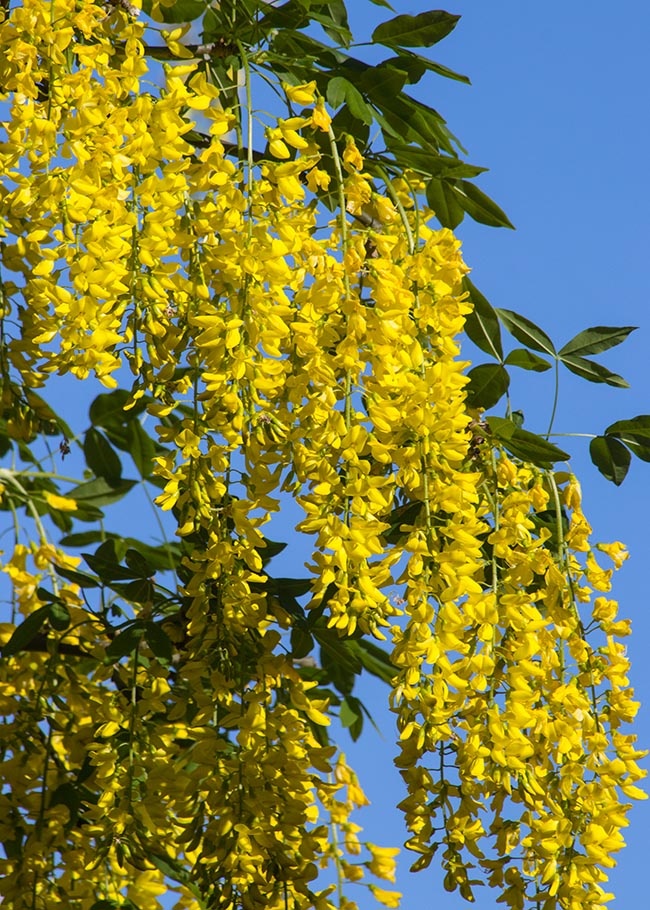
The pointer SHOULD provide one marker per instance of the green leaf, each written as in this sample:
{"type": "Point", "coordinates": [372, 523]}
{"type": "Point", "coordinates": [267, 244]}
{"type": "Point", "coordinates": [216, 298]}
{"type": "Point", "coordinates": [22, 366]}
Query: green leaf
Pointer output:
{"type": "Point", "coordinates": [442, 199]}
{"type": "Point", "coordinates": [526, 360]}
{"type": "Point", "coordinates": [423, 30]}
{"type": "Point", "coordinates": [139, 591]}
{"type": "Point", "coordinates": [77, 578]}
{"type": "Point", "coordinates": [136, 561]}
{"type": "Point", "coordinates": [351, 716]}
{"type": "Point", "coordinates": [482, 324]}
{"type": "Point", "coordinates": [174, 870]}
{"type": "Point", "coordinates": [340, 90]}
{"type": "Point", "coordinates": [105, 563]}
{"type": "Point", "coordinates": [43, 411]}
{"type": "Point", "coordinates": [610, 457]}
{"type": "Point", "coordinates": [524, 445]}
{"type": "Point", "coordinates": [296, 587]}
{"type": "Point", "coordinates": [408, 120]}
{"type": "Point", "coordinates": [526, 331]}
{"type": "Point", "coordinates": [108, 408]}
{"type": "Point", "coordinates": [26, 631]}
{"type": "Point", "coordinates": [290, 15]}
{"type": "Point", "coordinates": [431, 164]}
{"type": "Point", "coordinates": [61, 519]}
{"type": "Point", "coordinates": [158, 641]}
{"type": "Point", "coordinates": [547, 519]}
{"type": "Point", "coordinates": [415, 66]}
{"type": "Point", "coordinates": [404, 515]}
{"type": "Point", "coordinates": [480, 207]}
{"type": "Point", "coordinates": [488, 383]}
{"type": "Point", "coordinates": [336, 89]}
{"type": "Point", "coordinates": [375, 660]}
{"type": "Point", "coordinates": [339, 659]}
{"type": "Point", "coordinates": [291, 45]}
{"type": "Point", "coordinates": [59, 616]}
{"type": "Point", "coordinates": [101, 457]}
{"type": "Point", "coordinates": [593, 372]}
{"type": "Point", "coordinates": [287, 590]}
{"type": "Point", "coordinates": [163, 556]}
{"type": "Point", "coordinates": [141, 447]}
{"type": "Point", "coordinates": [126, 642]}
{"type": "Point", "coordinates": [271, 548]}
{"type": "Point", "coordinates": [381, 79]}
{"type": "Point", "coordinates": [596, 339]}
{"type": "Point", "coordinates": [48, 596]}
{"type": "Point", "coordinates": [344, 122]}
{"type": "Point", "coordinates": [302, 642]}
{"type": "Point", "coordinates": [639, 425]}
{"type": "Point", "coordinates": [635, 433]}
{"type": "Point", "coordinates": [100, 492]}
{"type": "Point", "coordinates": [68, 794]}
{"type": "Point", "coordinates": [82, 539]}
{"type": "Point", "coordinates": [87, 512]}
{"type": "Point", "coordinates": [334, 22]}
{"type": "Point", "coordinates": [447, 73]}
{"type": "Point", "coordinates": [181, 11]}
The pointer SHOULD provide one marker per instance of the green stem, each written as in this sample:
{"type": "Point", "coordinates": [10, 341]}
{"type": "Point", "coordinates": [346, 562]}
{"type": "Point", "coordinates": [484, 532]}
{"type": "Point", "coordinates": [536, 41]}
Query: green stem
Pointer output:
{"type": "Point", "coordinates": [584, 435]}
{"type": "Point", "coordinates": [343, 227]}
{"type": "Point", "coordinates": [337, 860]}
{"type": "Point", "coordinates": [400, 208]}
{"type": "Point", "coordinates": [562, 546]}
{"type": "Point", "coordinates": [50, 474]}
{"type": "Point", "coordinates": [161, 528]}
{"type": "Point", "coordinates": [31, 508]}
{"type": "Point", "coordinates": [555, 397]}
{"type": "Point", "coordinates": [249, 134]}
{"type": "Point", "coordinates": [132, 721]}
{"type": "Point", "coordinates": [16, 541]}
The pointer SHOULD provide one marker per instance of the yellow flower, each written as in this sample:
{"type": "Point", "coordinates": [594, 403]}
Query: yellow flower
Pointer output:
{"type": "Point", "coordinates": [63, 503]}
{"type": "Point", "coordinates": [301, 94]}
{"type": "Point", "coordinates": [320, 117]}
{"type": "Point", "coordinates": [351, 156]}
{"type": "Point", "coordinates": [616, 551]}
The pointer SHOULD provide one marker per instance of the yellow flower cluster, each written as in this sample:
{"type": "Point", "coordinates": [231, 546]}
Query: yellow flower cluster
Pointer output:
{"type": "Point", "coordinates": [281, 354]}
{"type": "Point", "coordinates": [515, 703]}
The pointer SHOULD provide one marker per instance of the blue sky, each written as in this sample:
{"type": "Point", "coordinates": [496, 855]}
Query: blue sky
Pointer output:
{"type": "Point", "coordinates": [558, 112]}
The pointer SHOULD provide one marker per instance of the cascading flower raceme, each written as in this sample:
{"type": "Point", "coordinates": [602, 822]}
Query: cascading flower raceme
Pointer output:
{"type": "Point", "coordinates": [275, 351]}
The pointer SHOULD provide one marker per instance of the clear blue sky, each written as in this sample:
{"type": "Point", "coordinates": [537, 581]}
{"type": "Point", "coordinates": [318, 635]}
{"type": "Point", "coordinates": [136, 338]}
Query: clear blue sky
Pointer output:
{"type": "Point", "coordinates": [558, 112]}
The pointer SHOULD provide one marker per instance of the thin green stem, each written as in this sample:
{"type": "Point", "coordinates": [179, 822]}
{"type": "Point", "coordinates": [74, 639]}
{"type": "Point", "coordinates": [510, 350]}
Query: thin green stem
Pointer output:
{"type": "Point", "coordinates": [563, 548]}
{"type": "Point", "coordinates": [10, 476]}
{"type": "Point", "coordinates": [161, 528]}
{"type": "Point", "coordinates": [132, 722]}
{"type": "Point", "coordinates": [584, 435]}
{"type": "Point", "coordinates": [400, 208]}
{"type": "Point", "coordinates": [556, 396]}
{"type": "Point", "coordinates": [16, 529]}
{"type": "Point", "coordinates": [337, 860]}
{"type": "Point", "coordinates": [343, 227]}
{"type": "Point", "coordinates": [249, 133]}
{"type": "Point", "coordinates": [50, 474]}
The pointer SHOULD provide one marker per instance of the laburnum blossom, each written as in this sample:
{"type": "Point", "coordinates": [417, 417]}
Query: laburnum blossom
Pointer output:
{"type": "Point", "coordinates": [275, 350]}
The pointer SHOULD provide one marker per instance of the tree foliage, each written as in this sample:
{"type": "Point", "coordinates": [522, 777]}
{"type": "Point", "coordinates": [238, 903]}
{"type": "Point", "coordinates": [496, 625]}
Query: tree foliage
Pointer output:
{"type": "Point", "coordinates": [275, 319]}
